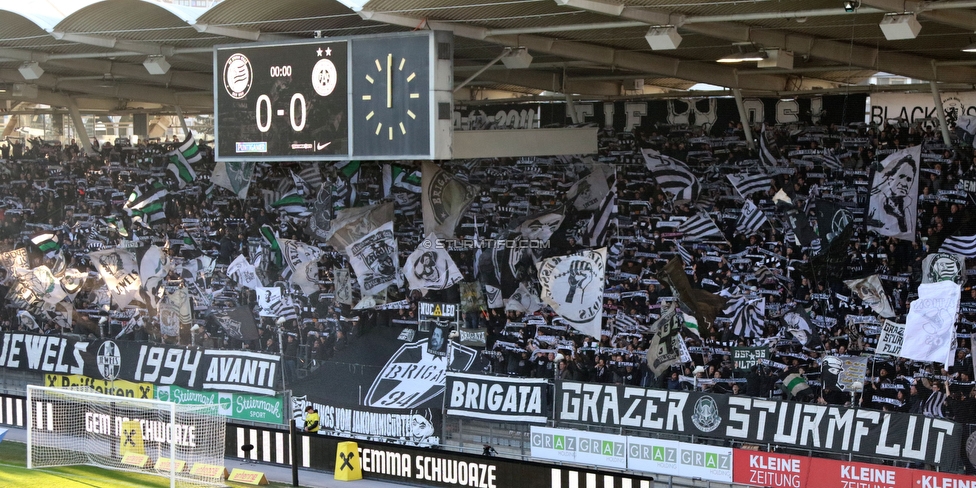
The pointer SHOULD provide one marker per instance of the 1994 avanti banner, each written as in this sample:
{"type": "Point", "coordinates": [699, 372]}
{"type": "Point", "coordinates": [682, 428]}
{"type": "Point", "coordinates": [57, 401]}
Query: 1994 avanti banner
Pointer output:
{"type": "Point", "coordinates": [195, 369]}
{"type": "Point", "coordinates": [862, 432]}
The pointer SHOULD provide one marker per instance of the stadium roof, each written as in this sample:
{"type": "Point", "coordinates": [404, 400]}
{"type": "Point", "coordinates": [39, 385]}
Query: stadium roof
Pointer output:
{"type": "Point", "coordinates": [92, 51]}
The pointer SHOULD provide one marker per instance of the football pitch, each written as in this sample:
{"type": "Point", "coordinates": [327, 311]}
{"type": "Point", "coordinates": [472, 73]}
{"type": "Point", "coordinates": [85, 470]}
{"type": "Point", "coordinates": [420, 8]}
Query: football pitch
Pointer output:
{"type": "Point", "coordinates": [14, 474]}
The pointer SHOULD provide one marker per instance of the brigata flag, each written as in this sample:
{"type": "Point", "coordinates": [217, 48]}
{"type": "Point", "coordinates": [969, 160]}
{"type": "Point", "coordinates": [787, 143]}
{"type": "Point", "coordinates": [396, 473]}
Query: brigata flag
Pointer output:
{"type": "Point", "coordinates": [430, 267]}
{"type": "Point", "coordinates": [573, 286]}
{"type": "Point", "coordinates": [893, 204]}
{"type": "Point", "coordinates": [444, 199]}
{"type": "Point", "coordinates": [930, 325]}
{"type": "Point", "coordinates": [120, 271]}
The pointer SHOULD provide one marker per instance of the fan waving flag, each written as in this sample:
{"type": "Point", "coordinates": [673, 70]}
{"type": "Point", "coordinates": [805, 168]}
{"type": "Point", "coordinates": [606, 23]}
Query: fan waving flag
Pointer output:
{"type": "Point", "coordinates": [747, 184]}
{"type": "Point", "coordinates": [303, 264]}
{"type": "Point", "coordinates": [444, 199]}
{"type": "Point", "coordinates": [799, 325]}
{"type": "Point", "coordinates": [747, 315]}
{"type": "Point", "coordinates": [672, 175]}
{"type": "Point", "coordinates": [243, 272]}
{"type": "Point", "coordinates": [700, 227]}
{"type": "Point", "coordinates": [147, 204]}
{"type": "Point", "coordinates": [573, 286]}
{"type": "Point", "coordinates": [964, 245]}
{"type": "Point", "coordinates": [768, 149]}
{"type": "Point", "coordinates": [430, 267]}
{"type": "Point", "coordinates": [235, 177]}
{"type": "Point", "coordinates": [181, 160]}
{"type": "Point", "coordinates": [930, 325]}
{"type": "Point", "coordinates": [751, 220]}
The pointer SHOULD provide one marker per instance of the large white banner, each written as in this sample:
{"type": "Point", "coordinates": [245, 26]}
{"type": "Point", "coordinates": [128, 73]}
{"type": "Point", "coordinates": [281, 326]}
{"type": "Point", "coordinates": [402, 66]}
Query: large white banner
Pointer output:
{"type": "Point", "coordinates": [679, 459]}
{"type": "Point", "coordinates": [579, 446]}
{"type": "Point", "coordinates": [930, 326]}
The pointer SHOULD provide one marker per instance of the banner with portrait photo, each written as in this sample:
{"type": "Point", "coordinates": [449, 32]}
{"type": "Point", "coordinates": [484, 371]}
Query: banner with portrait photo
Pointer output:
{"type": "Point", "coordinates": [930, 325]}
{"type": "Point", "coordinates": [268, 296]}
{"type": "Point", "coordinates": [893, 203]}
{"type": "Point", "coordinates": [943, 266]}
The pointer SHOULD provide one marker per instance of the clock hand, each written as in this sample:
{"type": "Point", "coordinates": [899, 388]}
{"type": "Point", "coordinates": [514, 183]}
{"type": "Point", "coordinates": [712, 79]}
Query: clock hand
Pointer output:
{"type": "Point", "coordinates": [389, 79]}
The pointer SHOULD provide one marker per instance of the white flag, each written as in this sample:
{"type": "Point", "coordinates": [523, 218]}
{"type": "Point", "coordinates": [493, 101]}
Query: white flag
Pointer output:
{"type": "Point", "coordinates": [268, 298]}
{"type": "Point", "coordinates": [243, 272]}
{"type": "Point", "coordinates": [303, 262]}
{"type": "Point", "coordinates": [374, 259]}
{"type": "Point", "coordinates": [573, 286]}
{"type": "Point", "coordinates": [430, 267]}
{"type": "Point", "coordinates": [930, 326]}
{"type": "Point", "coordinates": [119, 270]}
{"type": "Point", "coordinates": [894, 195]}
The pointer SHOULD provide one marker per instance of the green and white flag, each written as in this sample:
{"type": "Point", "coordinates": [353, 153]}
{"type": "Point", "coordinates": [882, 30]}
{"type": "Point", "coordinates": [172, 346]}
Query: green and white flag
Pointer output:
{"type": "Point", "coordinates": [691, 323]}
{"type": "Point", "coordinates": [794, 384]}
{"type": "Point", "coordinates": [235, 177]}
{"type": "Point", "coordinates": [182, 159]}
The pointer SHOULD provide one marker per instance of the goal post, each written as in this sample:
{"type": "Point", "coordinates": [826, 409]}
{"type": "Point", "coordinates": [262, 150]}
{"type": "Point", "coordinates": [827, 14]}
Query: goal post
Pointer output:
{"type": "Point", "coordinates": [79, 426]}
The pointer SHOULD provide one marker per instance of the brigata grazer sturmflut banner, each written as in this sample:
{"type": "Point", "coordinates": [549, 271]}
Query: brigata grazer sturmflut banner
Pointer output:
{"type": "Point", "coordinates": [862, 432]}
{"type": "Point", "coordinates": [159, 364]}
{"type": "Point", "coordinates": [496, 398]}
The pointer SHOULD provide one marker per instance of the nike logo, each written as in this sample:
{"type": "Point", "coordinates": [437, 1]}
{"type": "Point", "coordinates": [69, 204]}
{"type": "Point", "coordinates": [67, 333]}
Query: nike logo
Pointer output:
{"type": "Point", "coordinates": [319, 147]}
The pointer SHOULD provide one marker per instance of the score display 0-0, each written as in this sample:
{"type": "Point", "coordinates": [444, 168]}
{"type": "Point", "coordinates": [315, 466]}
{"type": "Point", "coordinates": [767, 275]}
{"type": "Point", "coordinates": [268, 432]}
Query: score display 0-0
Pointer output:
{"type": "Point", "coordinates": [334, 98]}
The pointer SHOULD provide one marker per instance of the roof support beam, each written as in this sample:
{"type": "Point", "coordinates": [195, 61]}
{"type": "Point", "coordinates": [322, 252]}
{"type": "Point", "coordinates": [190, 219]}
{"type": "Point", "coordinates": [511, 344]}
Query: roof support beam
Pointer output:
{"type": "Point", "coordinates": [840, 52]}
{"type": "Point", "coordinates": [542, 80]}
{"type": "Point", "coordinates": [238, 33]}
{"type": "Point", "coordinates": [121, 91]}
{"type": "Point", "coordinates": [115, 43]}
{"type": "Point", "coordinates": [643, 62]}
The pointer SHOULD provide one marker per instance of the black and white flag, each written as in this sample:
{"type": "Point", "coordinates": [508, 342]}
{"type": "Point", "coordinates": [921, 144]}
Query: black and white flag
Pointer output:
{"type": "Point", "coordinates": [769, 152]}
{"type": "Point", "coordinates": [747, 184]}
{"type": "Point", "coordinates": [303, 264]}
{"type": "Point", "coordinates": [801, 327]}
{"type": "Point", "coordinates": [751, 220]}
{"type": "Point", "coordinates": [244, 273]}
{"type": "Point", "coordinates": [964, 245]}
{"type": "Point", "coordinates": [235, 177]}
{"type": "Point", "coordinates": [672, 176]}
{"type": "Point", "coordinates": [700, 227]}
{"type": "Point", "coordinates": [430, 267]}
{"type": "Point", "coordinates": [943, 266]}
{"type": "Point", "coordinates": [238, 323]}
{"type": "Point", "coordinates": [747, 314]}
{"type": "Point", "coordinates": [573, 286]}
{"type": "Point", "coordinates": [444, 199]}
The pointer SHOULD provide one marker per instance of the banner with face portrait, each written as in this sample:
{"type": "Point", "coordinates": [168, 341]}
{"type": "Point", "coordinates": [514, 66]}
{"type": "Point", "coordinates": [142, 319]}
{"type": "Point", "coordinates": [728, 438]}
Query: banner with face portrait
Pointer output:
{"type": "Point", "coordinates": [343, 286]}
{"type": "Point", "coordinates": [943, 266]}
{"type": "Point", "coordinates": [844, 373]}
{"type": "Point", "coordinates": [573, 286]}
{"type": "Point", "coordinates": [930, 326]}
{"type": "Point", "coordinates": [870, 291]}
{"type": "Point", "coordinates": [893, 204]}
{"type": "Point", "coordinates": [268, 296]}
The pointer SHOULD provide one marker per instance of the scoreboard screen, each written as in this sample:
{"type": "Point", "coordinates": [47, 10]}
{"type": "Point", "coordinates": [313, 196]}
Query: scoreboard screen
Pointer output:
{"type": "Point", "coordinates": [281, 102]}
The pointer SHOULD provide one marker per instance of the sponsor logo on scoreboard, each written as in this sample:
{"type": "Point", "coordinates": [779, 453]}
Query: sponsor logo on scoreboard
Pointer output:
{"type": "Point", "coordinates": [251, 147]}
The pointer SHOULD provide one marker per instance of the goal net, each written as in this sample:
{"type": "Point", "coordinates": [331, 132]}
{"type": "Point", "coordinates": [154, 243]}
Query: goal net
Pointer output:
{"type": "Point", "coordinates": [78, 426]}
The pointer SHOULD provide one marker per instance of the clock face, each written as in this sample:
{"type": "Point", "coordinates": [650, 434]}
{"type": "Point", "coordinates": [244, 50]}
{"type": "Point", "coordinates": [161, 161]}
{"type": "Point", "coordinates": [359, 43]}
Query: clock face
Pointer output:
{"type": "Point", "coordinates": [391, 96]}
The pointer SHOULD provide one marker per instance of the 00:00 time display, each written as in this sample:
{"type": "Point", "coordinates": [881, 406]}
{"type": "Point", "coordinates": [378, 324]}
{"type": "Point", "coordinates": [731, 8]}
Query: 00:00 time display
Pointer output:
{"type": "Point", "coordinates": [280, 71]}
{"type": "Point", "coordinates": [262, 112]}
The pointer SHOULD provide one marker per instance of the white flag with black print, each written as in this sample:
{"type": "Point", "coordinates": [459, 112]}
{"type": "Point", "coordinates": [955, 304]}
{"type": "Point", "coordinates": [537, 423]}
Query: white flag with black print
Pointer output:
{"type": "Point", "coordinates": [303, 264]}
{"type": "Point", "coordinates": [870, 291]}
{"type": "Point", "coordinates": [672, 176]}
{"type": "Point", "coordinates": [374, 259]}
{"type": "Point", "coordinates": [751, 220]}
{"type": "Point", "coordinates": [430, 267]}
{"type": "Point", "coordinates": [700, 227]}
{"type": "Point", "coordinates": [268, 296]}
{"type": "Point", "coordinates": [930, 325]}
{"type": "Point", "coordinates": [244, 273]}
{"type": "Point", "coordinates": [343, 286]}
{"type": "Point", "coordinates": [573, 286]}
{"type": "Point", "coordinates": [523, 300]}
{"type": "Point", "coordinates": [444, 198]}
{"type": "Point", "coordinates": [943, 266]}
{"type": "Point", "coordinates": [120, 271]}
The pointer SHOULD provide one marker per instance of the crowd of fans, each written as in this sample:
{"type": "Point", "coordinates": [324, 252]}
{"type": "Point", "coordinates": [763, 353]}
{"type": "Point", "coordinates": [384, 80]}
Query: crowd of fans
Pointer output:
{"type": "Point", "coordinates": [80, 198]}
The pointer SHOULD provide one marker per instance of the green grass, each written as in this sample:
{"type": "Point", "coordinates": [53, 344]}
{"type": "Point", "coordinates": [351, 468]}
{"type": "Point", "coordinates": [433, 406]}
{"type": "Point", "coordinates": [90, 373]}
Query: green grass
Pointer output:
{"type": "Point", "coordinates": [14, 473]}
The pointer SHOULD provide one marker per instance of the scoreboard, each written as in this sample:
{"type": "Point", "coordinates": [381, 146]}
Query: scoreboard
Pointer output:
{"type": "Point", "coordinates": [378, 97]}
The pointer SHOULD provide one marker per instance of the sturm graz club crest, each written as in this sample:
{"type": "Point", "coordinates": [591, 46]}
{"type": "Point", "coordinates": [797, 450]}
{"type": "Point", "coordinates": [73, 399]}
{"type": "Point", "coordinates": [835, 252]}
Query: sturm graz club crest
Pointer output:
{"type": "Point", "coordinates": [706, 416]}
{"type": "Point", "coordinates": [109, 360]}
